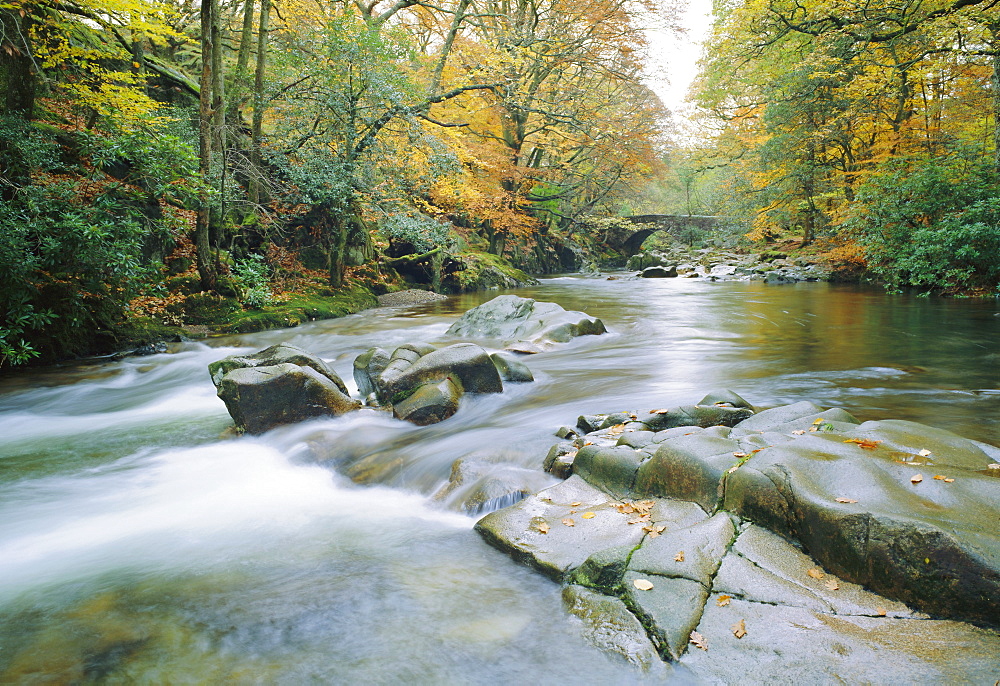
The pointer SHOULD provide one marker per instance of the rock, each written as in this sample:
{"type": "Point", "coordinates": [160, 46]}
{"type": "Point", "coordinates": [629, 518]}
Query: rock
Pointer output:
{"type": "Point", "coordinates": [368, 367]}
{"type": "Point", "coordinates": [933, 545]}
{"type": "Point", "coordinates": [261, 398]}
{"type": "Point", "coordinates": [671, 609]}
{"type": "Point", "coordinates": [612, 469]}
{"type": "Point", "coordinates": [468, 366]}
{"type": "Point", "coordinates": [726, 397]}
{"type": "Point", "coordinates": [657, 272]}
{"type": "Point", "coordinates": [703, 546]}
{"type": "Point", "coordinates": [688, 468]}
{"type": "Point", "coordinates": [518, 530]}
{"type": "Point", "coordinates": [525, 321]}
{"type": "Point", "coordinates": [480, 484]}
{"type": "Point", "coordinates": [275, 355]}
{"type": "Point", "coordinates": [511, 369]}
{"type": "Point", "coordinates": [429, 404]}
{"type": "Point", "coordinates": [807, 646]}
{"type": "Point", "coordinates": [695, 415]}
{"type": "Point", "coordinates": [609, 626]}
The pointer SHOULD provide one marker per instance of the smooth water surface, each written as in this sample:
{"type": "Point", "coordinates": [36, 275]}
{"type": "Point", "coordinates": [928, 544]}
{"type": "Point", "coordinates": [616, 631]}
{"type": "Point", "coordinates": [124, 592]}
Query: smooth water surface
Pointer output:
{"type": "Point", "coordinates": [142, 542]}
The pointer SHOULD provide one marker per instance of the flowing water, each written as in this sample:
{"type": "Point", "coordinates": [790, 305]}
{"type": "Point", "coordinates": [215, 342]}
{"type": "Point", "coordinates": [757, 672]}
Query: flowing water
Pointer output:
{"type": "Point", "coordinates": [141, 542]}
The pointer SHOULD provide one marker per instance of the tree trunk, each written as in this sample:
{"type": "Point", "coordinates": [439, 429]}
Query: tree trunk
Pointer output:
{"type": "Point", "coordinates": [995, 34]}
{"type": "Point", "coordinates": [17, 80]}
{"type": "Point", "coordinates": [203, 250]}
{"type": "Point", "coordinates": [258, 103]}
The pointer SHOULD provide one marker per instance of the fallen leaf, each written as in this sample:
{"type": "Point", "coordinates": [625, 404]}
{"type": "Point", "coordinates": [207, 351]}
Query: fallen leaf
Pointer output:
{"type": "Point", "coordinates": [846, 500]}
{"type": "Point", "coordinates": [815, 573]}
{"type": "Point", "coordinates": [800, 432]}
{"type": "Point", "coordinates": [698, 640]}
{"type": "Point", "coordinates": [940, 477]}
{"type": "Point", "coordinates": [739, 629]}
{"type": "Point", "coordinates": [644, 505]}
{"type": "Point", "coordinates": [543, 527]}
{"type": "Point", "coordinates": [573, 511]}
{"type": "Point", "coordinates": [588, 515]}
{"type": "Point", "coordinates": [569, 522]}
{"type": "Point", "coordinates": [679, 557]}
{"type": "Point", "coordinates": [924, 453]}
{"type": "Point", "coordinates": [616, 429]}
{"type": "Point", "coordinates": [723, 600]}
{"type": "Point", "coordinates": [643, 584]}
{"type": "Point", "coordinates": [995, 465]}
{"type": "Point", "coordinates": [880, 611]}
{"type": "Point", "coordinates": [916, 478]}
{"type": "Point", "coordinates": [832, 585]}
{"type": "Point", "coordinates": [948, 481]}
{"type": "Point", "coordinates": [659, 411]}
{"type": "Point", "coordinates": [813, 429]}
{"type": "Point", "coordinates": [867, 445]}
{"type": "Point", "coordinates": [819, 421]}
{"type": "Point", "coordinates": [575, 504]}
{"type": "Point", "coordinates": [732, 469]}
{"type": "Point", "coordinates": [741, 455]}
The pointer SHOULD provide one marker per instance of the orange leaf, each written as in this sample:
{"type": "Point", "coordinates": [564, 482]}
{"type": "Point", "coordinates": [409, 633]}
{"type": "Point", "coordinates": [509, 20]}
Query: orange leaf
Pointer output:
{"type": "Point", "coordinates": [739, 629]}
{"type": "Point", "coordinates": [815, 573]}
{"type": "Point", "coordinates": [698, 640]}
{"type": "Point", "coordinates": [832, 584]}
{"type": "Point", "coordinates": [543, 527]}
{"type": "Point", "coordinates": [679, 557]}
{"type": "Point", "coordinates": [569, 522]}
{"type": "Point", "coordinates": [723, 600]}
{"type": "Point", "coordinates": [867, 445]}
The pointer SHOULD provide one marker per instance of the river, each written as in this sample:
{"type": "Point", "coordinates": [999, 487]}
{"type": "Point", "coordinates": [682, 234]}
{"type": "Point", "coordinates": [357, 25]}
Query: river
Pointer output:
{"type": "Point", "coordinates": [141, 543]}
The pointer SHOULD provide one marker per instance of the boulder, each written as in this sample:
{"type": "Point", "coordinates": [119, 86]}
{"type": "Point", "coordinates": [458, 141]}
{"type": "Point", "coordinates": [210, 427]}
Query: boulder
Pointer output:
{"type": "Point", "coordinates": [513, 319]}
{"type": "Point", "coordinates": [429, 403]}
{"type": "Point", "coordinates": [467, 365]}
{"type": "Point", "coordinates": [511, 369]}
{"type": "Point", "coordinates": [480, 484]}
{"type": "Point", "coordinates": [275, 355]}
{"type": "Point", "coordinates": [658, 272]}
{"type": "Point", "coordinates": [878, 519]}
{"type": "Point", "coordinates": [261, 398]}
{"type": "Point", "coordinates": [368, 367]}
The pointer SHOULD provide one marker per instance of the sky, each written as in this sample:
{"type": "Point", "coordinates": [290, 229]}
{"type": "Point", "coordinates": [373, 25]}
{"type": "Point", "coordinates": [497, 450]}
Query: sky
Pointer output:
{"type": "Point", "coordinates": [673, 59]}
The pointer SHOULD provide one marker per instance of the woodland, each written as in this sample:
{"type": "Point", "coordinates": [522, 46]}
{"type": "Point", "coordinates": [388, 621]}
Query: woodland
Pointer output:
{"type": "Point", "coordinates": [243, 164]}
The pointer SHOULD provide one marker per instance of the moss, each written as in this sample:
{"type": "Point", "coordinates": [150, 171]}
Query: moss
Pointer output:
{"type": "Point", "coordinates": [302, 307]}
{"type": "Point", "coordinates": [484, 271]}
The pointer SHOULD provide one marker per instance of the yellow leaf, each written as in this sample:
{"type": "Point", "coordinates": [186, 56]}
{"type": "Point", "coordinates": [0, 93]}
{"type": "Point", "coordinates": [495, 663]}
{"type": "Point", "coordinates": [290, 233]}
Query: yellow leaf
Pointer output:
{"type": "Point", "coordinates": [739, 629]}
{"type": "Point", "coordinates": [543, 527]}
{"type": "Point", "coordinates": [815, 573]}
{"type": "Point", "coordinates": [881, 611]}
{"type": "Point", "coordinates": [819, 421]}
{"type": "Point", "coordinates": [832, 584]}
{"type": "Point", "coordinates": [659, 411]}
{"type": "Point", "coordinates": [916, 478]}
{"type": "Point", "coordinates": [846, 500]}
{"type": "Point", "coordinates": [723, 600]}
{"type": "Point", "coordinates": [698, 640]}
{"type": "Point", "coordinates": [643, 584]}
{"type": "Point", "coordinates": [575, 504]}
{"type": "Point", "coordinates": [679, 557]}
{"type": "Point", "coordinates": [588, 515]}
{"type": "Point", "coordinates": [939, 477]}
{"type": "Point", "coordinates": [569, 522]}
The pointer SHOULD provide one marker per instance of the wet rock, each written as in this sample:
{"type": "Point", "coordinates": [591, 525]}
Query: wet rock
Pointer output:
{"type": "Point", "coordinates": [694, 415]}
{"type": "Point", "coordinates": [533, 532]}
{"type": "Point", "coordinates": [671, 609]}
{"type": "Point", "coordinates": [282, 353]}
{"type": "Point", "coordinates": [694, 552]}
{"type": "Point", "coordinates": [946, 449]}
{"type": "Point", "coordinates": [261, 398]}
{"type": "Point", "coordinates": [612, 469]}
{"type": "Point", "coordinates": [483, 484]}
{"type": "Point", "coordinates": [658, 272]}
{"type": "Point", "coordinates": [368, 367]}
{"type": "Point", "coordinates": [726, 397]}
{"type": "Point", "coordinates": [511, 369]}
{"type": "Point", "coordinates": [804, 646]}
{"type": "Point", "coordinates": [609, 626]}
{"type": "Point", "coordinates": [931, 544]}
{"type": "Point", "coordinates": [429, 404]}
{"type": "Point", "coordinates": [689, 468]}
{"type": "Point", "coordinates": [514, 319]}
{"type": "Point", "coordinates": [468, 366]}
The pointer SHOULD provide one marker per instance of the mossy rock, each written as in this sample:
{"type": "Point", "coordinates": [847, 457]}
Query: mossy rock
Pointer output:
{"type": "Point", "coordinates": [205, 308]}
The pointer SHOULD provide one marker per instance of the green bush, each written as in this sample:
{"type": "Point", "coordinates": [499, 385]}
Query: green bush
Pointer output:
{"type": "Point", "coordinates": [932, 224]}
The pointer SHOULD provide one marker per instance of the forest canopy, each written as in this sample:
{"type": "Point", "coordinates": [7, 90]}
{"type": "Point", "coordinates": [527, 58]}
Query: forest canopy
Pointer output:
{"type": "Point", "coordinates": [170, 163]}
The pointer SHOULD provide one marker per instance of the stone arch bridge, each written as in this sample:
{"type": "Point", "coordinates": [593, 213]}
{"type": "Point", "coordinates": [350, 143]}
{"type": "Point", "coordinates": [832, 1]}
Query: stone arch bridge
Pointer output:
{"type": "Point", "coordinates": [627, 237]}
